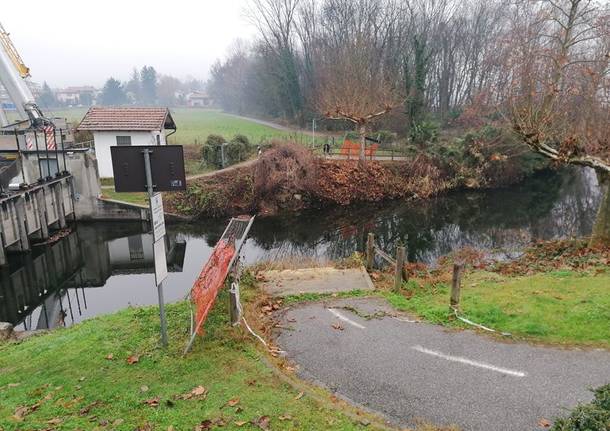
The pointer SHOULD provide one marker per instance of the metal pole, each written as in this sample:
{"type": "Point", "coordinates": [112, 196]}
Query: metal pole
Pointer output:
{"type": "Point", "coordinates": [63, 149]}
{"type": "Point", "coordinates": [46, 145]}
{"type": "Point", "coordinates": [149, 185]}
{"type": "Point", "coordinates": [38, 156]}
{"type": "Point", "coordinates": [56, 151]}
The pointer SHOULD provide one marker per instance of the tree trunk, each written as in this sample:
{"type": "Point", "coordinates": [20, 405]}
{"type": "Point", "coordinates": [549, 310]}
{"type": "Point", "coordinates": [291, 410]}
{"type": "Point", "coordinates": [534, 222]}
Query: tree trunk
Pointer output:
{"type": "Point", "coordinates": [362, 132]}
{"type": "Point", "coordinates": [601, 230]}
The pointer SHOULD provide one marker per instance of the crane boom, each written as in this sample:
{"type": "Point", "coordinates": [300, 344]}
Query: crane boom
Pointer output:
{"type": "Point", "coordinates": [11, 51]}
{"type": "Point", "coordinates": [12, 75]}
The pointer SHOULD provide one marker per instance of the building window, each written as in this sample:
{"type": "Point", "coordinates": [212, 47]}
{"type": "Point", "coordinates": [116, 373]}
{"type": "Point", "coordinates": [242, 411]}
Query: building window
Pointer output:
{"type": "Point", "coordinates": [123, 141]}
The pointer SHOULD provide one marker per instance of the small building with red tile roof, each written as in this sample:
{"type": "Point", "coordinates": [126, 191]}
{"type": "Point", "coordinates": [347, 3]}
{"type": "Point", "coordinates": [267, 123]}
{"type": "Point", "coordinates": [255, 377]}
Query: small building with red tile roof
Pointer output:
{"type": "Point", "coordinates": [125, 125]}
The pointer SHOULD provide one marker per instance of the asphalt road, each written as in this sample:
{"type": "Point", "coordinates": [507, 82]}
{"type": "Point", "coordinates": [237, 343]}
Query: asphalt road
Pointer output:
{"type": "Point", "coordinates": [409, 371]}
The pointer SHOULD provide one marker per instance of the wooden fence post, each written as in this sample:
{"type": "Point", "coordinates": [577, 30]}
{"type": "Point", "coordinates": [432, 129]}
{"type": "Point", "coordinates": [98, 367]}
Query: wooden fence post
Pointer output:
{"type": "Point", "coordinates": [234, 303]}
{"type": "Point", "coordinates": [405, 273]}
{"type": "Point", "coordinates": [456, 286]}
{"type": "Point", "coordinates": [370, 251]}
{"type": "Point", "coordinates": [400, 264]}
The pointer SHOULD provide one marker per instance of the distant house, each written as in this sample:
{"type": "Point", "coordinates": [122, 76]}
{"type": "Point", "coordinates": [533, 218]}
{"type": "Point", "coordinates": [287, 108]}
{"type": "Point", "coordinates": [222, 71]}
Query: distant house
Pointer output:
{"type": "Point", "coordinates": [115, 126]}
{"type": "Point", "coordinates": [76, 95]}
{"type": "Point", "coordinates": [199, 99]}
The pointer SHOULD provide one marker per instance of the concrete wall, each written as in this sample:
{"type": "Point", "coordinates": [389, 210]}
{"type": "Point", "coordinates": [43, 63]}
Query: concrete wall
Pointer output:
{"type": "Point", "coordinates": [104, 140]}
{"type": "Point", "coordinates": [83, 166]}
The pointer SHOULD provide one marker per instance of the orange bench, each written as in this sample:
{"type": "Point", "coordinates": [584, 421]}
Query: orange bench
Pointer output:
{"type": "Point", "coordinates": [350, 148]}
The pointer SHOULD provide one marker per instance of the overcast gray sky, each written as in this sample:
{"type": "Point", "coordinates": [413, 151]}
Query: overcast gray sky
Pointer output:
{"type": "Point", "coordinates": [72, 42]}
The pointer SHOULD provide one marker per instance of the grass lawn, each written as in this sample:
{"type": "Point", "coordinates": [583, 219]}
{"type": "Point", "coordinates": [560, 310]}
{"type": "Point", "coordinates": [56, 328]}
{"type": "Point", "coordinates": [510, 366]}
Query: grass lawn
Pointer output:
{"type": "Point", "coordinates": [195, 124]}
{"type": "Point", "coordinates": [132, 198]}
{"type": "Point", "coordinates": [80, 378]}
{"type": "Point", "coordinates": [560, 307]}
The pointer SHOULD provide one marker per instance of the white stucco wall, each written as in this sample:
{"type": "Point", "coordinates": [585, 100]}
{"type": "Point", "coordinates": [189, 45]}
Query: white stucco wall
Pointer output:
{"type": "Point", "coordinates": [104, 140]}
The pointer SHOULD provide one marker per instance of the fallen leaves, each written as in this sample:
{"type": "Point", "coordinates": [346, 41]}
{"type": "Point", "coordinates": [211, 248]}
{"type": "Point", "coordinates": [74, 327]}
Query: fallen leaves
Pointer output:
{"type": "Point", "coordinates": [544, 423]}
{"type": "Point", "coordinates": [269, 306]}
{"type": "Point", "coordinates": [299, 396]}
{"type": "Point", "coordinates": [110, 356]}
{"type": "Point", "coordinates": [209, 423]}
{"type": "Point", "coordinates": [85, 410]}
{"type": "Point", "coordinates": [197, 392]}
{"type": "Point", "coordinates": [22, 411]}
{"type": "Point", "coordinates": [262, 422]}
{"type": "Point", "coordinates": [153, 402]}
{"type": "Point", "coordinates": [232, 402]}
{"type": "Point", "coordinates": [204, 425]}
{"type": "Point", "coordinates": [133, 359]}
{"type": "Point", "coordinates": [338, 326]}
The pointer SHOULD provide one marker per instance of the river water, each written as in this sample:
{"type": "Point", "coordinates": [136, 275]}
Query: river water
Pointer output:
{"type": "Point", "coordinates": [103, 267]}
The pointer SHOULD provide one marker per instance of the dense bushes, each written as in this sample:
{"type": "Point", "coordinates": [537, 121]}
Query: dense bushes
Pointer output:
{"type": "Point", "coordinates": [424, 132]}
{"type": "Point", "coordinates": [289, 177]}
{"type": "Point", "coordinates": [589, 417]}
{"type": "Point", "coordinates": [282, 172]}
{"type": "Point", "coordinates": [235, 151]}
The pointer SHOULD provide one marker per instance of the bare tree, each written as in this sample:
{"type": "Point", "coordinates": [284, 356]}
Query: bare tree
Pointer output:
{"type": "Point", "coordinates": [275, 20]}
{"type": "Point", "coordinates": [354, 82]}
{"type": "Point", "coordinates": [559, 90]}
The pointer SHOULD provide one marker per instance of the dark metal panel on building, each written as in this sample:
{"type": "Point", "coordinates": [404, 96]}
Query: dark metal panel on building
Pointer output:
{"type": "Point", "coordinates": [167, 166]}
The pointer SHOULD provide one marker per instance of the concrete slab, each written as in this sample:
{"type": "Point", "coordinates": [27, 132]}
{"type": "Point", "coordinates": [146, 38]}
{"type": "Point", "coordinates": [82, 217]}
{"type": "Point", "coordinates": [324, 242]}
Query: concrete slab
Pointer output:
{"type": "Point", "coordinates": [315, 280]}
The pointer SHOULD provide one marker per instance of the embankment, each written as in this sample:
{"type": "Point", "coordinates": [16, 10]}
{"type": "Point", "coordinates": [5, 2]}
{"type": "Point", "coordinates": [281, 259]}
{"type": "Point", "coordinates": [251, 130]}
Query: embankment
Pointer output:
{"type": "Point", "coordinates": [290, 178]}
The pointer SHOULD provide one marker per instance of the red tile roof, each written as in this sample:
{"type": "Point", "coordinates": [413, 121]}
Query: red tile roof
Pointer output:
{"type": "Point", "coordinates": [127, 118]}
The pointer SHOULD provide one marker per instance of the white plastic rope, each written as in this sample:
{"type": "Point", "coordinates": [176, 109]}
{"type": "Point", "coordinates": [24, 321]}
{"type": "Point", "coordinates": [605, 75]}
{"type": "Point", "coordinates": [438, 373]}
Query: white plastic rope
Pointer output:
{"type": "Point", "coordinates": [478, 325]}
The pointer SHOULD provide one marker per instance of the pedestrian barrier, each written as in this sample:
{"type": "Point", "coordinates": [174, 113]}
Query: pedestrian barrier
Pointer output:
{"type": "Point", "coordinates": [215, 272]}
{"type": "Point", "coordinates": [350, 148]}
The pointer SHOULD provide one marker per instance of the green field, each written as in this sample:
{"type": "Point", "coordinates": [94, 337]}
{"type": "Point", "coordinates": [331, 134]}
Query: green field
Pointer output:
{"type": "Point", "coordinates": [195, 124]}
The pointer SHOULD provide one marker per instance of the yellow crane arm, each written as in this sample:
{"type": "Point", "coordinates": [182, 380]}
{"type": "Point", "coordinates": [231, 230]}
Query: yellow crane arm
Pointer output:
{"type": "Point", "coordinates": [8, 46]}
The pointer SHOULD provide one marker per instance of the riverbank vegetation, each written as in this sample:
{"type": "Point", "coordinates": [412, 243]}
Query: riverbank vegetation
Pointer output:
{"type": "Point", "coordinates": [556, 293]}
{"type": "Point", "coordinates": [431, 69]}
{"type": "Point", "coordinates": [288, 177]}
{"type": "Point", "coordinates": [109, 373]}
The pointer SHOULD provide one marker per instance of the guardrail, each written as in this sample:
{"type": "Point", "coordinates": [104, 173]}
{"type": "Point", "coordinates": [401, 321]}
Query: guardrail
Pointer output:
{"type": "Point", "coordinates": [84, 144]}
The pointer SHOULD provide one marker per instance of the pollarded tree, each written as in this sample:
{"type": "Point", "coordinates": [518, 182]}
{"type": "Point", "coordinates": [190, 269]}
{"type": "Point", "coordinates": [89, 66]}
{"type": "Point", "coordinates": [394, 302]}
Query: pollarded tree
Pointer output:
{"type": "Point", "coordinates": [354, 81]}
{"type": "Point", "coordinates": [558, 58]}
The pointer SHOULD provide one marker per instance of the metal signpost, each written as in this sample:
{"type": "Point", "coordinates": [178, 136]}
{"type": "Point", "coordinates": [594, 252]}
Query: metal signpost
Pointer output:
{"type": "Point", "coordinates": [164, 173]}
{"type": "Point", "coordinates": [157, 220]}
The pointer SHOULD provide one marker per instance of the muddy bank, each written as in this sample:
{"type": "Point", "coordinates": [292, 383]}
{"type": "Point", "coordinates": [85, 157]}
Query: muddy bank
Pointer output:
{"type": "Point", "coordinates": [289, 178]}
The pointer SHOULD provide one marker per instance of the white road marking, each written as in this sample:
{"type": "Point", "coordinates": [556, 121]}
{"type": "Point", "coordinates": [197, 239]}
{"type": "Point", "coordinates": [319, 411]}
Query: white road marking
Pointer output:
{"type": "Point", "coordinates": [345, 319]}
{"type": "Point", "coordinates": [469, 362]}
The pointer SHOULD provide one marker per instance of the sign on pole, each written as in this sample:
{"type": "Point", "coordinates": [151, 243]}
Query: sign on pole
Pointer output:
{"type": "Point", "coordinates": [160, 261]}
{"type": "Point", "coordinates": [151, 168]}
{"type": "Point", "coordinates": [157, 216]}
{"type": "Point", "coordinates": [166, 168]}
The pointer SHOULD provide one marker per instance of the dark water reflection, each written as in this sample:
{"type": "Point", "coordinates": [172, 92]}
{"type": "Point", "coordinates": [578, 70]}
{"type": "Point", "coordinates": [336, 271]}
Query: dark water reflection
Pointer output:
{"type": "Point", "coordinates": [101, 268]}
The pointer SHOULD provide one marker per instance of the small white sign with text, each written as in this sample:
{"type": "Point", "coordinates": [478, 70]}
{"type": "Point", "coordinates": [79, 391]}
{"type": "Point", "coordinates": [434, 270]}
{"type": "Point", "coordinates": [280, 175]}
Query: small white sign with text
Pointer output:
{"type": "Point", "coordinates": [158, 217]}
{"type": "Point", "coordinates": [160, 261]}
